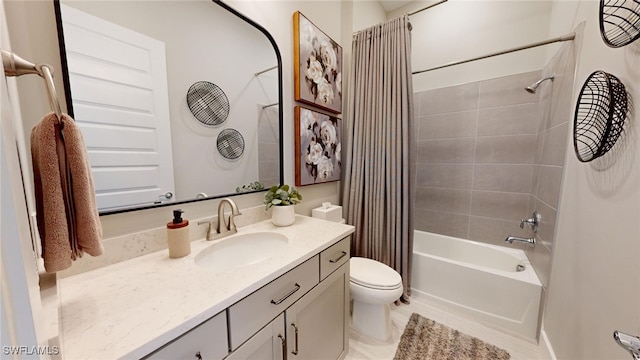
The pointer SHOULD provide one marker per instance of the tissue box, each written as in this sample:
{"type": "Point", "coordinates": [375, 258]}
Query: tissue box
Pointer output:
{"type": "Point", "coordinates": [332, 213]}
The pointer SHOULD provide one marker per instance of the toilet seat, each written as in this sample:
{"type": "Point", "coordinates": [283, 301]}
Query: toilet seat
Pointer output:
{"type": "Point", "coordinates": [373, 274]}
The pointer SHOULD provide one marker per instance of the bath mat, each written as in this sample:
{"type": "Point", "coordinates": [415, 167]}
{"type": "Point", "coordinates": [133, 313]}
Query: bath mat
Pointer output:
{"type": "Point", "coordinates": [426, 339]}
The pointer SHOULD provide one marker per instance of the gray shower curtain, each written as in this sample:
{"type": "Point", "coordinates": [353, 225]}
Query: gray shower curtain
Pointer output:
{"type": "Point", "coordinates": [378, 192]}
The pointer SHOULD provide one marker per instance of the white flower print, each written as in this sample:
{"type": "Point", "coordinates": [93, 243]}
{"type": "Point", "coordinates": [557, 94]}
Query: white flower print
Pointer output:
{"type": "Point", "coordinates": [325, 168]}
{"type": "Point", "coordinates": [328, 56]}
{"type": "Point", "coordinates": [314, 154]}
{"type": "Point", "coordinates": [307, 121]}
{"type": "Point", "coordinates": [314, 70]}
{"type": "Point", "coordinates": [325, 92]}
{"type": "Point", "coordinates": [328, 133]}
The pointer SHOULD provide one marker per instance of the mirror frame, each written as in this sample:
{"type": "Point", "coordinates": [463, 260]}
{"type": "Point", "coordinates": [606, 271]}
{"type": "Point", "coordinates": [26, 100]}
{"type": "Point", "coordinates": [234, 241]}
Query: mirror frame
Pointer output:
{"type": "Point", "coordinates": [67, 93]}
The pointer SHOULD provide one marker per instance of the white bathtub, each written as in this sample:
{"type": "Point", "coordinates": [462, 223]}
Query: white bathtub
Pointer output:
{"type": "Point", "coordinates": [479, 280]}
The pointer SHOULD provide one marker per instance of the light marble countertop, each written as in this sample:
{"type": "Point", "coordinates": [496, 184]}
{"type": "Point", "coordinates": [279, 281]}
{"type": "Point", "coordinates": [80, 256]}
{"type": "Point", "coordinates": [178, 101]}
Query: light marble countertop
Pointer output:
{"type": "Point", "coordinates": [129, 309]}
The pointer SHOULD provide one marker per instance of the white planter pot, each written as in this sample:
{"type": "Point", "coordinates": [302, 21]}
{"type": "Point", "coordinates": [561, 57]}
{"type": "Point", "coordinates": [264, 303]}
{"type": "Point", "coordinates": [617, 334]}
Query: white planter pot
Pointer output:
{"type": "Point", "coordinates": [283, 215]}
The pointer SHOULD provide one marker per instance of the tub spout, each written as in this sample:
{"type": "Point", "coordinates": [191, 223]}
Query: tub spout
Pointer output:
{"type": "Point", "coordinates": [529, 241]}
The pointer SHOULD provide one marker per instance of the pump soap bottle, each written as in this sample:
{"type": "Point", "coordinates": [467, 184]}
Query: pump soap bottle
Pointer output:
{"type": "Point", "coordinates": [178, 236]}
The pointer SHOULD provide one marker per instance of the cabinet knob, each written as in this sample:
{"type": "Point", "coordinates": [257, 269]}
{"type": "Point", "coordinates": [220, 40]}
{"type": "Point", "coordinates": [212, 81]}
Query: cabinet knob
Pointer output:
{"type": "Point", "coordinates": [198, 356]}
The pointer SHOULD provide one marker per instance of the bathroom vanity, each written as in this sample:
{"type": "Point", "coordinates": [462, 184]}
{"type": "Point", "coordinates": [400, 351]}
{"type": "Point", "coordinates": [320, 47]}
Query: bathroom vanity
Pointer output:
{"type": "Point", "coordinates": [294, 304]}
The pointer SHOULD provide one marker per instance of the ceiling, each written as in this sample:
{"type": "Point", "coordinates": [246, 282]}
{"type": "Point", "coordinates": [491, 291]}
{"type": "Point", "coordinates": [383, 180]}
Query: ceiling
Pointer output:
{"type": "Point", "coordinates": [390, 5]}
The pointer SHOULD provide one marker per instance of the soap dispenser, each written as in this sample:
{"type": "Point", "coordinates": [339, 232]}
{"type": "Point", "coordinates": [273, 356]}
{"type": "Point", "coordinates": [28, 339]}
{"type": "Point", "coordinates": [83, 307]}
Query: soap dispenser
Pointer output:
{"type": "Point", "coordinates": [178, 236]}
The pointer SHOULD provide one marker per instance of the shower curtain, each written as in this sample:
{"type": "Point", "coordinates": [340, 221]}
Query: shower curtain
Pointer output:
{"type": "Point", "coordinates": [378, 190]}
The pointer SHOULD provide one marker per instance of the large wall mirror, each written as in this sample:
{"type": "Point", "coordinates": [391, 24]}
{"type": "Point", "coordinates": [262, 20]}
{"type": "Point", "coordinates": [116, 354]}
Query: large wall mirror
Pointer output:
{"type": "Point", "coordinates": [178, 101]}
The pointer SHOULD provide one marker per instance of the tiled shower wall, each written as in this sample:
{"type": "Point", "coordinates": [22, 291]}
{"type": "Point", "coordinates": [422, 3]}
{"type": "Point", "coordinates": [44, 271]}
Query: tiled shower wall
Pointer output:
{"type": "Point", "coordinates": [489, 153]}
{"type": "Point", "coordinates": [551, 146]}
{"type": "Point", "coordinates": [268, 147]}
{"type": "Point", "coordinates": [476, 153]}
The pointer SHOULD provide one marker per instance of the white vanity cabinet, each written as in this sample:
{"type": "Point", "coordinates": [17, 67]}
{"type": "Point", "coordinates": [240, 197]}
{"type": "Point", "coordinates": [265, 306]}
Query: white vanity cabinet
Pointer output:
{"type": "Point", "coordinates": [316, 323]}
{"type": "Point", "coordinates": [316, 318]}
{"type": "Point", "coordinates": [250, 314]}
{"type": "Point", "coordinates": [268, 344]}
{"type": "Point", "coordinates": [206, 341]}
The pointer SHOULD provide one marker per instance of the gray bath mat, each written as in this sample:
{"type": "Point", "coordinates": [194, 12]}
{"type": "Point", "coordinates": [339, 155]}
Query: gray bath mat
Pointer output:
{"type": "Point", "coordinates": [426, 339]}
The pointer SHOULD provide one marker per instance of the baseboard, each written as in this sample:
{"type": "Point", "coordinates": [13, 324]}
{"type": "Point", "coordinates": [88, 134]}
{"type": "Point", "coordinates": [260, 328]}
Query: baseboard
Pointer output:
{"type": "Point", "coordinates": [546, 350]}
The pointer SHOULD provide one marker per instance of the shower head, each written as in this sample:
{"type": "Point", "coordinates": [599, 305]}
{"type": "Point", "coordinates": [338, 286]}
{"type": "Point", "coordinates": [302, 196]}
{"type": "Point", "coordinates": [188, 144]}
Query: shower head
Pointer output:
{"type": "Point", "coordinates": [533, 87]}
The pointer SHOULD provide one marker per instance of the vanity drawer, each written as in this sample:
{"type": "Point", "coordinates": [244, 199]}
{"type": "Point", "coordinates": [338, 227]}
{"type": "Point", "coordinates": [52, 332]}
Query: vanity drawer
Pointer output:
{"type": "Point", "coordinates": [209, 339]}
{"type": "Point", "coordinates": [334, 256]}
{"type": "Point", "coordinates": [250, 314]}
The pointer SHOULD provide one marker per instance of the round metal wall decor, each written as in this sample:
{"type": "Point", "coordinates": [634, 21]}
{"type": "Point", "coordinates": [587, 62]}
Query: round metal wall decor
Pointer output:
{"type": "Point", "coordinates": [619, 22]}
{"type": "Point", "coordinates": [208, 103]}
{"type": "Point", "coordinates": [230, 144]}
{"type": "Point", "coordinates": [600, 115]}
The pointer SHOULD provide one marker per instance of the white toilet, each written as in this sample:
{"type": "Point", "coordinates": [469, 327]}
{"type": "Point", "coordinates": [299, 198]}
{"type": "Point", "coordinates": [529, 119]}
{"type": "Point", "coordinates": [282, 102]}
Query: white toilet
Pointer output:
{"type": "Point", "coordinates": [374, 286]}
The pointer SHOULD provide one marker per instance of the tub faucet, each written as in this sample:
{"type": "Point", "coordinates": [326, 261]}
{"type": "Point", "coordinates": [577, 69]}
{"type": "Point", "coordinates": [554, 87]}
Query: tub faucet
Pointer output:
{"type": "Point", "coordinates": [223, 228]}
{"type": "Point", "coordinates": [531, 242]}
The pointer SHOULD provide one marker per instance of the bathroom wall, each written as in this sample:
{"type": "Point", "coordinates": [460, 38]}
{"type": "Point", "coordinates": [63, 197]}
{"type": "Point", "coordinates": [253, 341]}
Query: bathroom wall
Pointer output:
{"type": "Point", "coordinates": [490, 154]}
{"type": "Point", "coordinates": [463, 29]}
{"type": "Point", "coordinates": [33, 33]}
{"type": "Point", "coordinates": [551, 144]}
{"type": "Point", "coordinates": [476, 153]}
{"type": "Point", "coordinates": [595, 283]}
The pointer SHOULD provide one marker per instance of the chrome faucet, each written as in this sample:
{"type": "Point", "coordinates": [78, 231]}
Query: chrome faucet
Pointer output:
{"type": "Point", "coordinates": [533, 221]}
{"type": "Point", "coordinates": [531, 242]}
{"type": "Point", "coordinates": [223, 228]}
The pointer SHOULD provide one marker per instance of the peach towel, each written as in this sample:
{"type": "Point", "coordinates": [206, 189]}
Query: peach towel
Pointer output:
{"type": "Point", "coordinates": [68, 219]}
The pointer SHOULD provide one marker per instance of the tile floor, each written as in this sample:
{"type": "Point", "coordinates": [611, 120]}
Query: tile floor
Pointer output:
{"type": "Point", "coordinates": [361, 348]}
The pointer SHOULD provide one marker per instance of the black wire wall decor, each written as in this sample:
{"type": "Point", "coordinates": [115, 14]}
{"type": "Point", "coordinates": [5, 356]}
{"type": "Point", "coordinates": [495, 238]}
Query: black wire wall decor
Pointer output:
{"type": "Point", "coordinates": [599, 116]}
{"type": "Point", "coordinates": [619, 22]}
{"type": "Point", "coordinates": [230, 144]}
{"type": "Point", "coordinates": [208, 103]}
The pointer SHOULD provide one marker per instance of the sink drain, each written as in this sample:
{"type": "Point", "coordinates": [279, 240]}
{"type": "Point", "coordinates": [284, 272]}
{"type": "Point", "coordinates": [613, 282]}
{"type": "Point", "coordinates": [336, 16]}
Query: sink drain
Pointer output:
{"type": "Point", "coordinates": [519, 268]}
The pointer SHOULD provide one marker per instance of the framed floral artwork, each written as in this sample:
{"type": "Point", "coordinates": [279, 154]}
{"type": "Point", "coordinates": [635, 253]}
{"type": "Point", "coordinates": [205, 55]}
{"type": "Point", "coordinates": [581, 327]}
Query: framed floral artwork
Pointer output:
{"type": "Point", "coordinates": [318, 147]}
{"type": "Point", "coordinates": [317, 66]}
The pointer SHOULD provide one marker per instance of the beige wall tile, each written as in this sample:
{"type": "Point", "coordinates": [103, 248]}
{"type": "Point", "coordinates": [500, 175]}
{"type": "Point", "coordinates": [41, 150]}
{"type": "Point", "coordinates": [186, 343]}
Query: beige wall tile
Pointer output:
{"type": "Point", "coordinates": [449, 125]}
{"type": "Point", "coordinates": [508, 90]}
{"type": "Point", "coordinates": [512, 149]}
{"type": "Point", "coordinates": [455, 201]}
{"type": "Point", "coordinates": [446, 151]}
{"type": "Point", "coordinates": [509, 120]}
{"type": "Point", "coordinates": [456, 225]}
{"type": "Point", "coordinates": [449, 99]}
{"type": "Point", "coordinates": [555, 142]}
{"type": "Point", "coordinates": [445, 175]}
{"type": "Point", "coordinates": [494, 231]}
{"type": "Point", "coordinates": [499, 205]}
{"type": "Point", "coordinates": [498, 177]}
{"type": "Point", "coordinates": [549, 182]}
{"type": "Point", "coordinates": [540, 258]}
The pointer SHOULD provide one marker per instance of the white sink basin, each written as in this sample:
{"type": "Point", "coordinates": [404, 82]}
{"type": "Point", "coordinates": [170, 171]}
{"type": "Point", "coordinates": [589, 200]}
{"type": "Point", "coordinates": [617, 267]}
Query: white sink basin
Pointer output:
{"type": "Point", "coordinates": [241, 250]}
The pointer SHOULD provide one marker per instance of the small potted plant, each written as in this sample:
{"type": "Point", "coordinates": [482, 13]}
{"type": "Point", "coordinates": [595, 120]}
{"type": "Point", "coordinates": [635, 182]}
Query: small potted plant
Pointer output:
{"type": "Point", "coordinates": [282, 198]}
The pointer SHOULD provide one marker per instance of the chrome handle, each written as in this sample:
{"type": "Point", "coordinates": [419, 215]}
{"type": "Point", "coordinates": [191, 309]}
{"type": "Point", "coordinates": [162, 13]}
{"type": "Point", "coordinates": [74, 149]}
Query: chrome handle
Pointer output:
{"type": "Point", "coordinates": [278, 302]}
{"type": "Point", "coordinates": [166, 196]}
{"type": "Point", "coordinates": [284, 346]}
{"type": "Point", "coordinates": [295, 351]}
{"type": "Point", "coordinates": [533, 221]}
{"type": "Point", "coordinates": [344, 253]}
{"type": "Point", "coordinates": [629, 343]}
{"type": "Point", "coordinates": [198, 356]}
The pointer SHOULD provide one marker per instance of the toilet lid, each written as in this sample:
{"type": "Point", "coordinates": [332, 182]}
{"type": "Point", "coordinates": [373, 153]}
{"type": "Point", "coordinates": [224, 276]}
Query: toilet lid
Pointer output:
{"type": "Point", "coordinates": [373, 274]}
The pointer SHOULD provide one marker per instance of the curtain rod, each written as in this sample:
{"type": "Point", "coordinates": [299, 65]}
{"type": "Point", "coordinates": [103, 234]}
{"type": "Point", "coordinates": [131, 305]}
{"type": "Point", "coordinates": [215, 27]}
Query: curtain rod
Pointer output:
{"type": "Point", "coordinates": [566, 37]}
{"type": "Point", "coordinates": [427, 7]}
